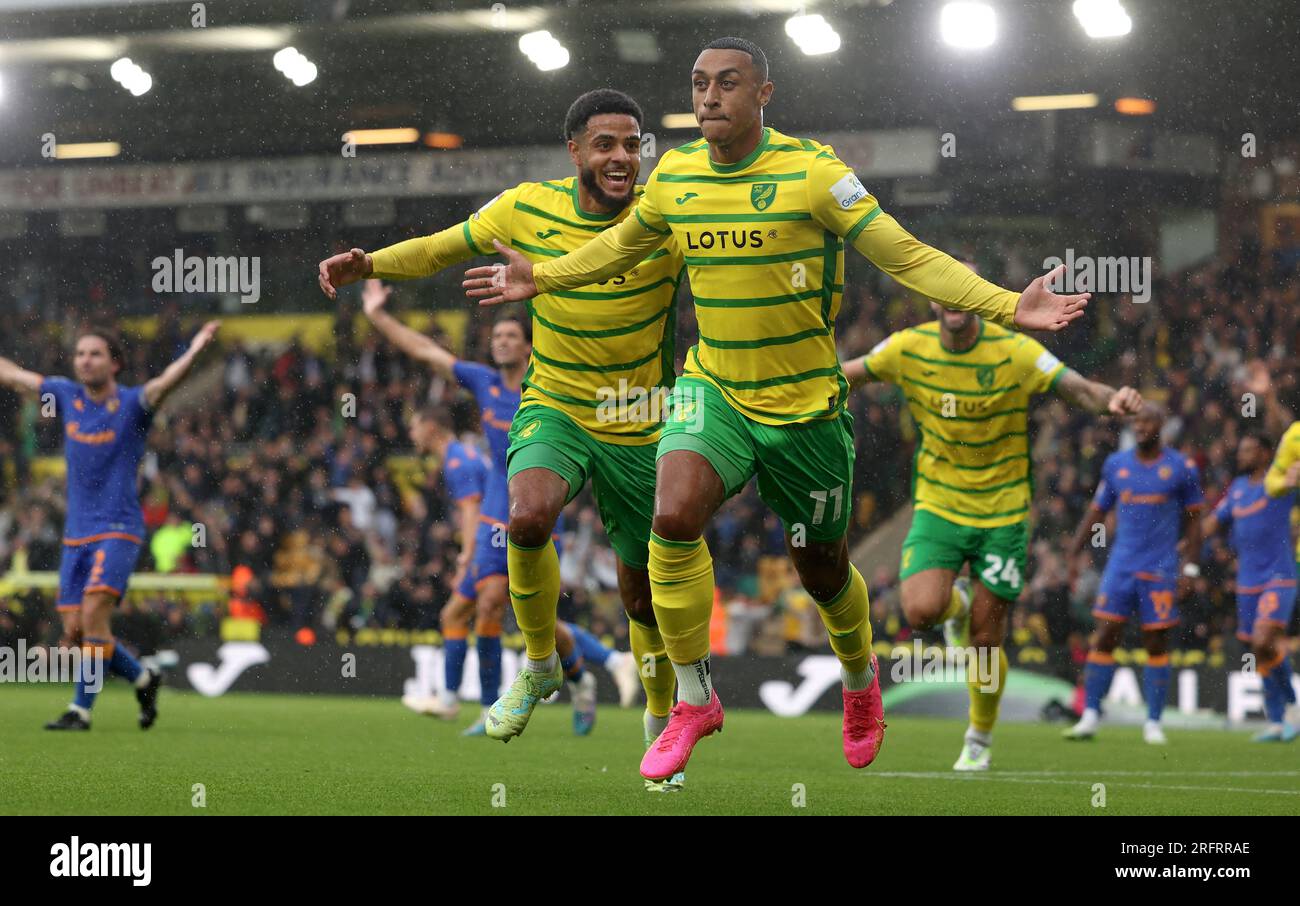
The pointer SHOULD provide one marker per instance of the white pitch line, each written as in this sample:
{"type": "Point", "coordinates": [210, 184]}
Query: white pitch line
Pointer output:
{"type": "Point", "coordinates": [1100, 772]}
{"type": "Point", "coordinates": [1006, 778]}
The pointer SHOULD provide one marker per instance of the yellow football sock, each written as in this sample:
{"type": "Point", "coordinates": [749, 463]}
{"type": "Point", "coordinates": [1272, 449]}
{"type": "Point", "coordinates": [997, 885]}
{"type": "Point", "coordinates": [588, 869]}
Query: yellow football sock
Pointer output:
{"type": "Point", "coordinates": [657, 676]}
{"type": "Point", "coordinates": [681, 583]}
{"type": "Point", "coordinates": [534, 594]}
{"type": "Point", "coordinates": [986, 691]}
{"type": "Point", "coordinates": [954, 607]}
{"type": "Point", "coordinates": [848, 623]}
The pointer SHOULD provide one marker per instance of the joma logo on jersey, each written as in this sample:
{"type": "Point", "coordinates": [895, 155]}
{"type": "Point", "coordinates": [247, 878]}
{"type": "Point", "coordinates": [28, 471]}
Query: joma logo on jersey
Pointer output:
{"type": "Point", "coordinates": [724, 239]}
{"type": "Point", "coordinates": [762, 194]}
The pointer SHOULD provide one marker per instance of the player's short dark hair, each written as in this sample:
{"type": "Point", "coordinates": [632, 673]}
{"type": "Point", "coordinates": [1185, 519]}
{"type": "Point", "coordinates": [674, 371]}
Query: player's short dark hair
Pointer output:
{"type": "Point", "coordinates": [596, 102]}
{"type": "Point", "coordinates": [116, 350]}
{"type": "Point", "coordinates": [1260, 438]}
{"type": "Point", "coordinates": [438, 415]}
{"type": "Point", "coordinates": [517, 315]}
{"type": "Point", "coordinates": [755, 52]}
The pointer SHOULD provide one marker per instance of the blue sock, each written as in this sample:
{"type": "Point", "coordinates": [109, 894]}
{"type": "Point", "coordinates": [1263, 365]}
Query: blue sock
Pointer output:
{"type": "Point", "coordinates": [489, 667]}
{"type": "Point", "coordinates": [572, 664]}
{"type": "Point", "coordinates": [1283, 673]}
{"type": "Point", "coordinates": [1274, 697]}
{"type": "Point", "coordinates": [90, 679]}
{"type": "Point", "coordinates": [592, 650]}
{"type": "Point", "coordinates": [453, 665]}
{"type": "Point", "coordinates": [1155, 686]}
{"type": "Point", "coordinates": [123, 664]}
{"type": "Point", "coordinates": [1096, 682]}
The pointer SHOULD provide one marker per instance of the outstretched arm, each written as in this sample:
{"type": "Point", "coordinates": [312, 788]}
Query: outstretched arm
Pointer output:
{"type": "Point", "coordinates": [374, 295]}
{"type": "Point", "coordinates": [1097, 397]}
{"type": "Point", "coordinates": [855, 370]}
{"type": "Point", "coordinates": [946, 280]}
{"type": "Point", "coordinates": [606, 255]}
{"type": "Point", "coordinates": [161, 387]}
{"type": "Point", "coordinates": [18, 378]}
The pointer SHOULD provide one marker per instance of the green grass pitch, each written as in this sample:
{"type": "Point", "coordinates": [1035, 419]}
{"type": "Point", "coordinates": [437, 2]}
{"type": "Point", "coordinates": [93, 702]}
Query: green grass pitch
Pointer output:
{"type": "Point", "coordinates": [269, 754]}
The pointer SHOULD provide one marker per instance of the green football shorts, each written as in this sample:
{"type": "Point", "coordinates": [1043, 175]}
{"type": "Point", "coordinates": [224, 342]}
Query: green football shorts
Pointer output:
{"type": "Point", "coordinates": [622, 477]}
{"type": "Point", "coordinates": [996, 555]}
{"type": "Point", "coordinates": [805, 471]}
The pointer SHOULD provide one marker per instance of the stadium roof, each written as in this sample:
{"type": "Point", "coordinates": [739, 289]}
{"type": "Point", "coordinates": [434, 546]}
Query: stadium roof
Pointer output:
{"type": "Point", "coordinates": [456, 67]}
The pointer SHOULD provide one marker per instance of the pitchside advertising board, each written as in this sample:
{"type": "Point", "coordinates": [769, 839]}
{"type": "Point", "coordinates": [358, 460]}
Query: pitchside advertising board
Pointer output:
{"type": "Point", "coordinates": [916, 678]}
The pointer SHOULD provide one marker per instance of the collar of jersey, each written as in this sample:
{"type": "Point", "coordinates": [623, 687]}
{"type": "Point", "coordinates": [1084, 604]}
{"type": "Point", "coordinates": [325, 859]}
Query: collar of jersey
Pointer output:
{"type": "Point", "coordinates": [748, 159]}
{"type": "Point", "coordinates": [573, 193]}
{"type": "Point", "coordinates": [979, 336]}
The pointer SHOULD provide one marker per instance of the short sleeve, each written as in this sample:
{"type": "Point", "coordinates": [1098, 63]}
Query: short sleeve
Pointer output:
{"type": "Point", "coordinates": [476, 378]}
{"type": "Point", "coordinates": [836, 197]}
{"type": "Point", "coordinates": [883, 360]}
{"type": "Point", "coordinates": [62, 390]}
{"type": "Point", "coordinates": [1037, 368]}
{"type": "Point", "coordinates": [1104, 499]}
{"type": "Point", "coordinates": [464, 476]}
{"type": "Point", "coordinates": [1190, 489]}
{"type": "Point", "coordinates": [134, 402]}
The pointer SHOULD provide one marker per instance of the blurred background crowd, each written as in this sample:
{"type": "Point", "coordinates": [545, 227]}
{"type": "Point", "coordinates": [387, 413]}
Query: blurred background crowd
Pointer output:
{"type": "Point", "coordinates": [286, 469]}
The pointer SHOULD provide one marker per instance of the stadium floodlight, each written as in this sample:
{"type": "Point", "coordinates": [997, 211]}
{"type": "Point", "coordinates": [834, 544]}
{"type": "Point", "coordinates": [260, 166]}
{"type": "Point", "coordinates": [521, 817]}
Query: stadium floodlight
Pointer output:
{"type": "Point", "coordinates": [1054, 102]}
{"type": "Point", "coordinates": [1103, 18]}
{"type": "Point", "coordinates": [382, 136]}
{"type": "Point", "coordinates": [969, 26]}
{"type": "Point", "coordinates": [294, 66]}
{"type": "Point", "coordinates": [130, 76]}
{"type": "Point", "coordinates": [544, 50]}
{"type": "Point", "coordinates": [813, 34]}
{"type": "Point", "coordinates": [83, 150]}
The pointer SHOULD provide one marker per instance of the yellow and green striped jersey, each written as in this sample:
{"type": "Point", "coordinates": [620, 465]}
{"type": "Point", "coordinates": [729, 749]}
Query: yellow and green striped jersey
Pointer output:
{"type": "Point", "coordinates": [971, 409]}
{"type": "Point", "coordinates": [593, 346]}
{"type": "Point", "coordinates": [1288, 453]}
{"type": "Point", "coordinates": [763, 240]}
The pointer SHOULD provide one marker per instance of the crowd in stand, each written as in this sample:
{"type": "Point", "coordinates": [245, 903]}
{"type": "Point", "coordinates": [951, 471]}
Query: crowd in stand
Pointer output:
{"type": "Point", "coordinates": [304, 483]}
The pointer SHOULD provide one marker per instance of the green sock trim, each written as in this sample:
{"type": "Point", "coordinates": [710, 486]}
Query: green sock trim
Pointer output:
{"type": "Point", "coordinates": [841, 593]}
{"type": "Point", "coordinates": [667, 543]}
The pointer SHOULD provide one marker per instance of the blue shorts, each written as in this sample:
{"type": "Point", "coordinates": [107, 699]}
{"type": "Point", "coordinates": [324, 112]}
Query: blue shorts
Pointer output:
{"type": "Point", "coordinates": [1272, 603]}
{"type": "Point", "coordinates": [1148, 595]}
{"type": "Point", "coordinates": [102, 565]}
{"type": "Point", "coordinates": [489, 559]}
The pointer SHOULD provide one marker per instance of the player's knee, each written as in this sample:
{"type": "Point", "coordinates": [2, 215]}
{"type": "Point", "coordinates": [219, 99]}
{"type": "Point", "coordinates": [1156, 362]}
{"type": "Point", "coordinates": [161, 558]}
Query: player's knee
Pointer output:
{"type": "Point", "coordinates": [674, 524]}
{"type": "Point", "coordinates": [452, 617]}
{"type": "Point", "coordinates": [986, 636]}
{"type": "Point", "coordinates": [530, 523]}
{"type": "Point", "coordinates": [921, 610]}
{"type": "Point", "coordinates": [489, 610]}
